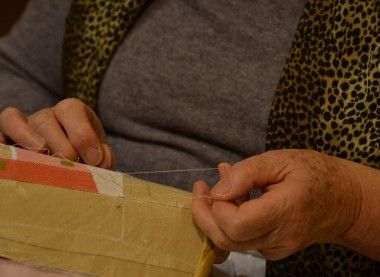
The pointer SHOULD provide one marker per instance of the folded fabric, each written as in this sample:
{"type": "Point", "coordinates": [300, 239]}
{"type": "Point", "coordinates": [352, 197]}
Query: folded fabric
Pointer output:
{"type": "Point", "coordinates": [71, 217]}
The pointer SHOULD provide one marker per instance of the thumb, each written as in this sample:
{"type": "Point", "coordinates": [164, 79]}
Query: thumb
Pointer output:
{"type": "Point", "coordinates": [14, 126]}
{"type": "Point", "coordinates": [223, 169]}
{"type": "Point", "coordinates": [255, 172]}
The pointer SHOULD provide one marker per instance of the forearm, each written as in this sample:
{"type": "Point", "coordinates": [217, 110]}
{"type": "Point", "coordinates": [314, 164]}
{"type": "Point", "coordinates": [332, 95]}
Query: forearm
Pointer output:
{"type": "Point", "coordinates": [364, 235]}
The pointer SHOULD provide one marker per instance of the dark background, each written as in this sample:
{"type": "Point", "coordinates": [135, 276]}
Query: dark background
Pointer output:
{"type": "Point", "coordinates": [10, 12]}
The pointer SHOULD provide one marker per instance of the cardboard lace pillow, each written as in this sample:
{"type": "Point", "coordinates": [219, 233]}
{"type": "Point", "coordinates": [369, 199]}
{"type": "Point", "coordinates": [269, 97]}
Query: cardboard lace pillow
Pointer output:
{"type": "Point", "coordinates": [71, 217]}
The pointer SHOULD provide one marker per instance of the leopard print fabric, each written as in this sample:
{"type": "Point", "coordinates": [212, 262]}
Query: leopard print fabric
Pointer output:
{"type": "Point", "coordinates": [94, 30]}
{"type": "Point", "coordinates": [328, 99]}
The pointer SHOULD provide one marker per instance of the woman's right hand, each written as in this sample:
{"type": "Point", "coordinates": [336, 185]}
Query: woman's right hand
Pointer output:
{"type": "Point", "coordinates": [70, 130]}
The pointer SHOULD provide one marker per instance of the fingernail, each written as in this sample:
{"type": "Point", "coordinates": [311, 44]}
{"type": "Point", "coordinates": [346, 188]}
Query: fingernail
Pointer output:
{"type": "Point", "coordinates": [221, 188]}
{"type": "Point", "coordinates": [222, 167]}
{"type": "Point", "coordinates": [110, 164]}
{"type": "Point", "coordinates": [107, 154]}
{"type": "Point", "coordinates": [92, 156]}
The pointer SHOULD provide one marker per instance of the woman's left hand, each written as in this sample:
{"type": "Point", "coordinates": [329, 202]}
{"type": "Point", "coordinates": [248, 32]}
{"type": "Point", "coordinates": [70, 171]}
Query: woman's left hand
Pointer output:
{"type": "Point", "coordinates": [308, 197]}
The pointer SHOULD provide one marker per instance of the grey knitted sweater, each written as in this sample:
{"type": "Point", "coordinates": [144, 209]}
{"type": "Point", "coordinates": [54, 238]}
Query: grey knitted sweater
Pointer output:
{"type": "Point", "coordinates": [190, 86]}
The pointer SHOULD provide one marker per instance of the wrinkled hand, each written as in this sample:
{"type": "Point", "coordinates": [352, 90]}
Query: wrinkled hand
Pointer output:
{"type": "Point", "coordinates": [10, 268]}
{"type": "Point", "coordinates": [305, 200]}
{"type": "Point", "coordinates": [70, 130]}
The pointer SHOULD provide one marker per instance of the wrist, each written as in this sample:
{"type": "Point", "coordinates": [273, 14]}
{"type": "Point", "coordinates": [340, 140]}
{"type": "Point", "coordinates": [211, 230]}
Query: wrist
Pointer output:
{"type": "Point", "coordinates": [344, 198]}
{"type": "Point", "coordinates": [363, 227]}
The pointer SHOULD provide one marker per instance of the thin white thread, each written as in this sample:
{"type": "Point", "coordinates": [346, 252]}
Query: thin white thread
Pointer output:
{"type": "Point", "coordinates": [34, 149]}
{"type": "Point", "coordinates": [61, 156]}
{"type": "Point", "coordinates": [120, 239]}
{"type": "Point", "coordinates": [172, 171]}
{"type": "Point", "coordinates": [153, 196]}
{"type": "Point", "coordinates": [123, 220]}
{"type": "Point", "coordinates": [150, 193]}
{"type": "Point", "coordinates": [366, 73]}
{"type": "Point", "coordinates": [197, 197]}
{"type": "Point", "coordinates": [99, 177]}
{"type": "Point", "coordinates": [46, 150]}
{"type": "Point", "coordinates": [109, 212]}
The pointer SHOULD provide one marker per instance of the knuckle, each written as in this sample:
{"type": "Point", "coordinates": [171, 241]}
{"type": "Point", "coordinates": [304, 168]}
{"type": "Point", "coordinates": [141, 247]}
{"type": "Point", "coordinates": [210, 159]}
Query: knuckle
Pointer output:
{"type": "Point", "coordinates": [246, 168]}
{"type": "Point", "coordinates": [67, 104]}
{"type": "Point", "coordinates": [41, 119]}
{"type": "Point", "coordinates": [80, 137]}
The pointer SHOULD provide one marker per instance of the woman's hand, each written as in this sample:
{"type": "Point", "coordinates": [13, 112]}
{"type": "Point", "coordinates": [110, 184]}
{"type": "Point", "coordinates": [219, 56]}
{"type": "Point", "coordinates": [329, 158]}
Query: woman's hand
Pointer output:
{"type": "Point", "coordinates": [308, 197]}
{"type": "Point", "coordinates": [11, 268]}
{"type": "Point", "coordinates": [70, 130]}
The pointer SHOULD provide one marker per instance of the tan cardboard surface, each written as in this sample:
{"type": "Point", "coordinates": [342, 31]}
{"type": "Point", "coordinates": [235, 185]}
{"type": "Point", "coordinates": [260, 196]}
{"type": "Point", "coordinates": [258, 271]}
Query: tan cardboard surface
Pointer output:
{"type": "Point", "coordinates": [149, 231]}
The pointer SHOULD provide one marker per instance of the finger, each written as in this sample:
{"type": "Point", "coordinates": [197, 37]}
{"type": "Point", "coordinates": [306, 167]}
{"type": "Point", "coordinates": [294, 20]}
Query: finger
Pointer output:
{"type": "Point", "coordinates": [109, 160]}
{"type": "Point", "coordinates": [223, 169]}
{"type": "Point", "coordinates": [249, 221]}
{"type": "Point", "coordinates": [47, 125]}
{"type": "Point", "coordinates": [201, 210]}
{"type": "Point", "coordinates": [258, 171]}
{"type": "Point", "coordinates": [83, 129]}
{"type": "Point", "coordinates": [13, 124]}
{"type": "Point", "coordinates": [202, 214]}
{"type": "Point", "coordinates": [3, 139]}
